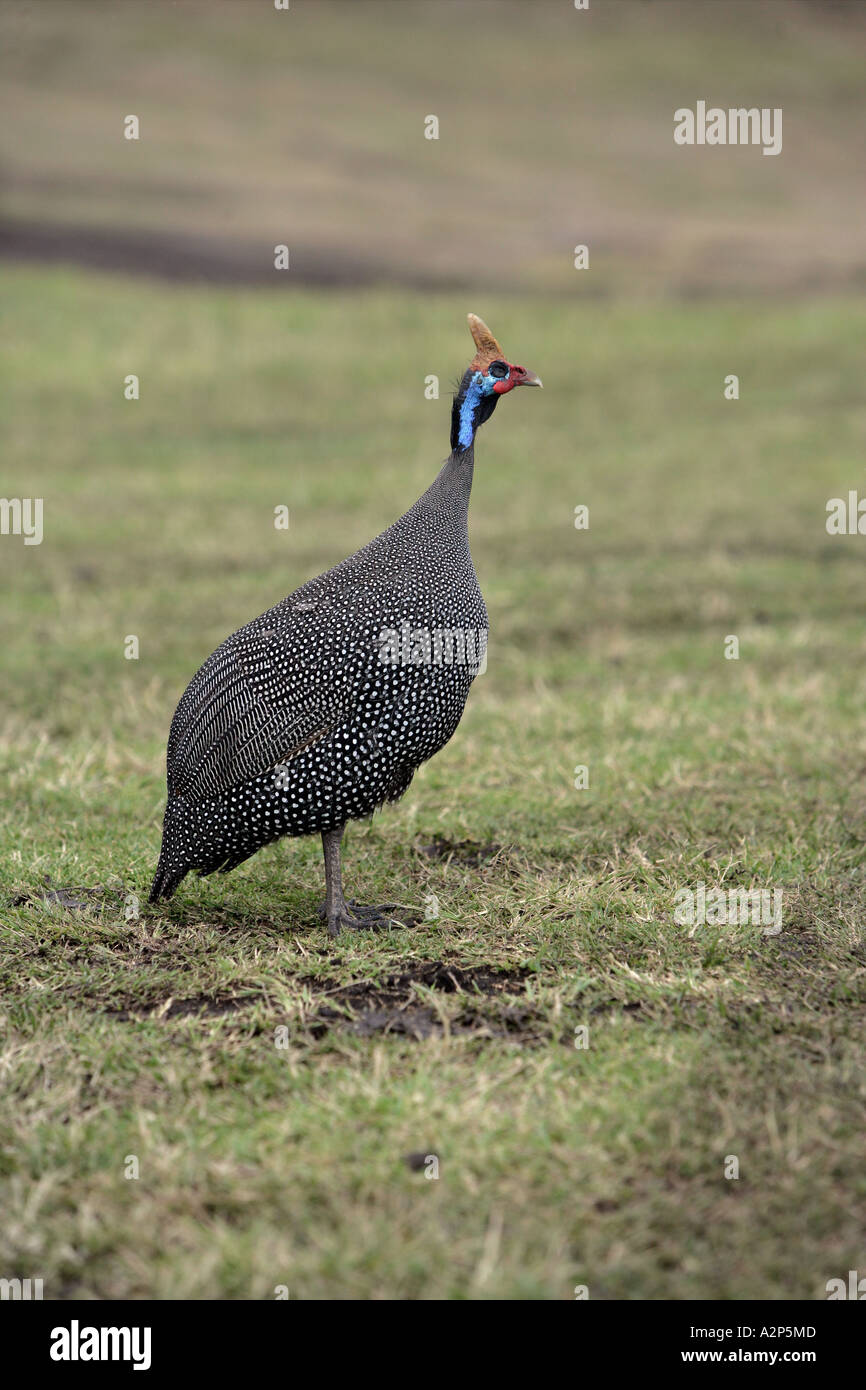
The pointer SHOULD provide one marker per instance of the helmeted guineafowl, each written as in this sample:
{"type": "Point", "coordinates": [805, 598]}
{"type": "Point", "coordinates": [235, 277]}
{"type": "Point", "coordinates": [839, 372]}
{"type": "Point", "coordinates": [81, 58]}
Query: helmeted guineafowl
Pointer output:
{"type": "Point", "coordinates": [320, 711]}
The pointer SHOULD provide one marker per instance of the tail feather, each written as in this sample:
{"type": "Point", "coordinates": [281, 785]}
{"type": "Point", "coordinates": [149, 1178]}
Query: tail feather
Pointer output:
{"type": "Point", "coordinates": [171, 869]}
{"type": "Point", "coordinates": [164, 882]}
{"type": "Point", "coordinates": [181, 852]}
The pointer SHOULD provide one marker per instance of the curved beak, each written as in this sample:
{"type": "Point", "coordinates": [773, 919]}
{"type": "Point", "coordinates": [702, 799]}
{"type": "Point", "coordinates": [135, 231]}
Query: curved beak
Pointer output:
{"type": "Point", "coordinates": [531, 380]}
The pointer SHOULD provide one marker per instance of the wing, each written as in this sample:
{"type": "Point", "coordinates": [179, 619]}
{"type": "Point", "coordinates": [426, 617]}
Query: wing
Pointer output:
{"type": "Point", "coordinates": [274, 688]}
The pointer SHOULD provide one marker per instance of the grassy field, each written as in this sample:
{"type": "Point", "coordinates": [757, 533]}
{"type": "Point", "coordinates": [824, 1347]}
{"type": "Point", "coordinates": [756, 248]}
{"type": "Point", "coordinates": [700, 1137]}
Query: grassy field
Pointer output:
{"type": "Point", "coordinates": [262, 1165]}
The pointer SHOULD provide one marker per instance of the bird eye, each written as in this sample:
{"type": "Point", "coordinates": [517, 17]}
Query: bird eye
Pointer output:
{"type": "Point", "coordinates": [498, 369]}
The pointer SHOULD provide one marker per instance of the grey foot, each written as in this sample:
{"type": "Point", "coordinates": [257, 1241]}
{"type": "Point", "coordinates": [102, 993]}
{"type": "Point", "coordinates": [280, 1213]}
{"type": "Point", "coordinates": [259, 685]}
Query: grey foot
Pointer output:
{"type": "Point", "coordinates": [358, 917]}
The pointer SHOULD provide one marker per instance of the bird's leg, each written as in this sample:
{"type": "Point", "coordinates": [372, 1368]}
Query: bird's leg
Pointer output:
{"type": "Point", "coordinates": [336, 911]}
{"type": "Point", "coordinates": [335, 903]}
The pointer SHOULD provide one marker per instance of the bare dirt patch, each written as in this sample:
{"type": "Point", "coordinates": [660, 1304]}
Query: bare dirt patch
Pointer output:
{"type": "Point", "coordinates": [200, 1005]}
{"type": "Point", "coordinates": [395, 1005]}
{"type": "Point", "coordinates": [470, 854]}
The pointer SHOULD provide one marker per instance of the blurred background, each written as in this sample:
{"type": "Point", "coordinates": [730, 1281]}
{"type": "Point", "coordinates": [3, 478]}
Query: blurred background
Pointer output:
{"type": "Point", "coordinates": [307, 126]}
{"type": "Point", "coordinates": [305, 389]}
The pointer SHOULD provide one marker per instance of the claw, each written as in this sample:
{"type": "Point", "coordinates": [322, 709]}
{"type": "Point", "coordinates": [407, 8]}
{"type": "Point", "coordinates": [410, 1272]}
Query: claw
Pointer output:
{"type": "Point", "coordinates": [359, 917]}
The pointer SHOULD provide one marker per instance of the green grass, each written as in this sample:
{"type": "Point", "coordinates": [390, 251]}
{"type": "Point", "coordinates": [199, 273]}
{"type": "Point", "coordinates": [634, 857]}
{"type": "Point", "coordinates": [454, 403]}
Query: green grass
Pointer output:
{"type": "Point", "coordinates": [155, 1037]}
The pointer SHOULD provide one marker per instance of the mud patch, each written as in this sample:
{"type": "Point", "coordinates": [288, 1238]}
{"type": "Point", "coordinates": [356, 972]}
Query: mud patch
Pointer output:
{"type": "Point", "coordinates": [395, 1005]}
{"type": "Point", "coordinates": [200, 1006]}
{"type": "Point", "coordinates": [470, 854]}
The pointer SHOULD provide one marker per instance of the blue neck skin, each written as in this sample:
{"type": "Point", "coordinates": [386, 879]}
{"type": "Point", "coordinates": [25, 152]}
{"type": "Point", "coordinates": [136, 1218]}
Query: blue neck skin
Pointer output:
{"type": "Point", "coordinates": [468, 412]}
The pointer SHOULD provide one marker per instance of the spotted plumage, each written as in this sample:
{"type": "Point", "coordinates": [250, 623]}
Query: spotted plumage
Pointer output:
{"type": "Point", "coordinates": [320, 710]}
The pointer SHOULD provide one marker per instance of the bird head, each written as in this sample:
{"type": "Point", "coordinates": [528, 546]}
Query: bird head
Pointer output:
{"type": "Point", "coordinates": [488, 376]}
{"type": "Point", "coordinates": [492, 363]}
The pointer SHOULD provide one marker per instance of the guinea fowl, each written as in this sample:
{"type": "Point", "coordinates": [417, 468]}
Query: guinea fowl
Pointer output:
{"type": "Point", "coordinates": [322, 709]}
